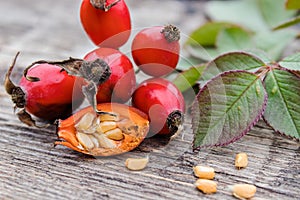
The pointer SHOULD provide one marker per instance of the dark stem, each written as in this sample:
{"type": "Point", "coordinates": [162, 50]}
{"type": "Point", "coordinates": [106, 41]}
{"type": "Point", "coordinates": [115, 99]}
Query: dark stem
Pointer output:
{"type": "Point", "coordinates": [8, 84]}
{"type": "Point", "coordinates": [16, 93]}
{"type": "Point", "coordinates": [90, 92]}
{"type": "Point", "coordinates": [101, 4]}
{"type": "Point", "coordinates": [95, 72]}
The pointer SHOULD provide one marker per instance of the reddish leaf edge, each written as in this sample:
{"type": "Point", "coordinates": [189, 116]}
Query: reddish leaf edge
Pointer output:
{"type": "Point", "coordinates": [279, 132]}
{"type": "Point", "coordinates": [244, 132]}
{"type": "Point", "coordinates": [294, 72]}
{"type": "Point", "coordinates": [234, 53]}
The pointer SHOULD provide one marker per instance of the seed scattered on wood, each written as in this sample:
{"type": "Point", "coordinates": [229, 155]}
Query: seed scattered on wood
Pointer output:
{"type": "Point", "coordinates": [136, 164]}
{"type": "Point", "coordinates": [206, 186]}
{"type": "Point", "coordinates": [243, 191]}
{"type": "Point", "coordinates": [241, 160]}
{"type": "Point", "coordinates": [204, 172]}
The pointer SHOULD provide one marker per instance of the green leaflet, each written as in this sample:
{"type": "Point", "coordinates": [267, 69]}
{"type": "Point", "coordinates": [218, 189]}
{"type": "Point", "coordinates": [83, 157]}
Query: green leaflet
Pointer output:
{"type": "Point", "coordinates": [226, 108]}
{"type": "Point", "coordinates": [234, 39]}
{"type": "Point", "coordinates": [268, 8]}
{"type": "Point", "coordinates": [273, 43]}
{"type": "Point", "coordinates": [206, 34]}
{"type": "Point", "coordinates": [290, 22]}
{"type": "Point", "coordinates": [264, 13]}
{"type": "Point", "coordinates": [230, 30]}
{"type": "Point", "coordinates": [188, 78]}
{"type": "Point", "coordinates": [237, 12]}
{"type": "Point", "coordinates": [283, 108]}
{"type": "Point", "coordinates": [231, 61]}
{"type": "Point", "coordinates": [185, 62]}
{"type": "Point", "coordinates": [203, 41]}
{"type": "Point", "coordinates": [291, 62]}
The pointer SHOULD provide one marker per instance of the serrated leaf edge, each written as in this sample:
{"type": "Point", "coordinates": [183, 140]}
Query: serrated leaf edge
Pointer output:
{"type": "Point", "coordinates": [243, 133]}
{"type": "Point", "coordinates": [268, 123]}
{"type": "Point", "coordinates": [234, 53]}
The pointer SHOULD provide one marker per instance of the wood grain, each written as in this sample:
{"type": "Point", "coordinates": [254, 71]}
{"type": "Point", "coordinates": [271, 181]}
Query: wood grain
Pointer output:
{"type": "Point", "coordinates": [32, 168]}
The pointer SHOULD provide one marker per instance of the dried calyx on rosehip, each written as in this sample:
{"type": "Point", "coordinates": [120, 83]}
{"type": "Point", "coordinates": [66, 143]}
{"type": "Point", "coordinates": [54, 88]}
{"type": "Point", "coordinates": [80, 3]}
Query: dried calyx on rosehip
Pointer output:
{"type": "Point", "coordinates": [121, 83]}
{"type": "Point", "coordinates": [103, 4]}
{"type": "Point", "coordinates": [163, 103]}
{"type": "Point", "coordinates": [52, 90]}
{"type": "Point", "coordinates": [120, 130]}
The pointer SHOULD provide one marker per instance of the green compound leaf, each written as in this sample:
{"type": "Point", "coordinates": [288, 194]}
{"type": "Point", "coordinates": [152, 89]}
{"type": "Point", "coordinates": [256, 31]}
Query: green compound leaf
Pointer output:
{"type": "Point", "coordinates": [231, 61]}
{"type": "Point", "coordinates": [243, 12]}
{"type": "Point", "coordinates": [283, 107]}
{"type": "Point", "coordinates": [226, 108]}
{"type": "Point", "coordinates": [201, 43]}
{"type": "Point", "coordinates": [274, 43]}
{"type": "Point", "coordinates": [234, 39]}
{"type": "Point", "coordinates": [268, 9]}
{"type": "Point", "coordinates": [188, 78]}
{"type": "Point", "coordinates": [257, 15]}
{"type": "Point", "coordinates": [199, 52]}
{"type": "Point", "coordinates": [291, 62]}
{"type": "Point", "coordinates": [206, 34]}
{"type": "Point", "coordinates": [185, 62]}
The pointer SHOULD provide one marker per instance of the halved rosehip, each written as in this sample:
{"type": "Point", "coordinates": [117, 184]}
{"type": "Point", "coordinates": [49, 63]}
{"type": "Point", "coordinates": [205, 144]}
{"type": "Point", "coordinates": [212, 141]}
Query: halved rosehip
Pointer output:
{"type": "Point", "coordinates": [163, 103]}
{"type": "Point", "coordinates": [121, 82]}
{"type": "Point", "coordinates": [119, 130]}
{"type": "Point", "coordinates": [155, 50]}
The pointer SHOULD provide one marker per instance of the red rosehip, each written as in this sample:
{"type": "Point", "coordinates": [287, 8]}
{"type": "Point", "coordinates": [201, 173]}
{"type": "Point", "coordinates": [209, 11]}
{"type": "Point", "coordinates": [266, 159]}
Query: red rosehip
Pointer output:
{"type": "Point", "coordinates": [107, 23]}
{"type": "Point", "coordinates": [163, 103]}
{"type": "Point", "coordinates": [53, 96]}
{"type": "Point", "coordinates": [155, 50]}
{"type": "Point", "coordinates": [121, 82]}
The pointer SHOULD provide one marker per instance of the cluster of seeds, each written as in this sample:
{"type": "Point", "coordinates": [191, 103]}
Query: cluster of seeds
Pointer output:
{"type": "Point", "coordinates": [105, 131]}
{"type": "Point", "coordinates": [98, 131]}
{"type": "Point", "coordinates": [118, 129]}
{"type": "Point", "coordinates": [208, 186]}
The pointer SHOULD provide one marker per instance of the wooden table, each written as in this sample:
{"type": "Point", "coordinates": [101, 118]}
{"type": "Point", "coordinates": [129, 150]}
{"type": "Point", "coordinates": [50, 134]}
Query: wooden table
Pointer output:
{"type": "Point", "coordinates": [31, 168]}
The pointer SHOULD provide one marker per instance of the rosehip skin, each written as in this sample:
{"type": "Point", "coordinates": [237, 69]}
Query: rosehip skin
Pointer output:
{"type": "Point", "coordinates": [163, 103]}
{"type": "Point", "coordinates": [122, 81]}
{"type": "Point", "coordinates": [153, 54]}
{"type": "Point", "coordinates": [109, 28]}
{"type": "Point", "coordinates": [55, 95]}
